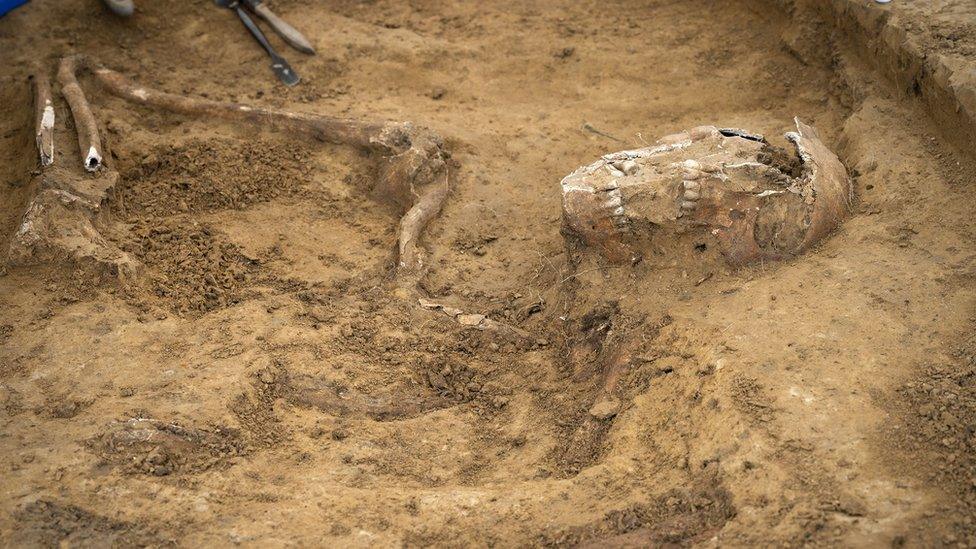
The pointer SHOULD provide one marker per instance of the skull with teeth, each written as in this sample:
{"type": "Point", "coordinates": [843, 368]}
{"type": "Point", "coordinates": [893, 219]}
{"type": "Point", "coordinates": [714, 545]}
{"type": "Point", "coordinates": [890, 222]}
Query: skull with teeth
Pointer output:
{"type": "Point", "coordinates": [753, 200]}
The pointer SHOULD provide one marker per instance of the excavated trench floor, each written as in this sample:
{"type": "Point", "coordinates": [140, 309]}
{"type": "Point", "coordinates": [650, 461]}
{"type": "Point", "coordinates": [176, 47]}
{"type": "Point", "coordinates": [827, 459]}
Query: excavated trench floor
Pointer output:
{"type": "Point", "coordinates": [262, 383]}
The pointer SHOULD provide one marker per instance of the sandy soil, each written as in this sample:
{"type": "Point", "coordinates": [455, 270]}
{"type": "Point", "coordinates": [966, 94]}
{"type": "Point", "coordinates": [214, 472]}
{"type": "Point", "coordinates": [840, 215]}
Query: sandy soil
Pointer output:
{"type": "Point", "coordinates": [262, 382]}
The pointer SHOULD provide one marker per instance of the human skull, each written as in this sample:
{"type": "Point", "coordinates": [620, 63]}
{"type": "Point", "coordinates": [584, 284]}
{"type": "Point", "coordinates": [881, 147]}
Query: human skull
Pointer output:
{"type": "Point", "coordinates": [756, 200]}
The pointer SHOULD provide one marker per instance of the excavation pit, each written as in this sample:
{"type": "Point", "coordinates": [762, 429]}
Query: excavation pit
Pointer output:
{"type": "Point", "coordinates": [346, 313]}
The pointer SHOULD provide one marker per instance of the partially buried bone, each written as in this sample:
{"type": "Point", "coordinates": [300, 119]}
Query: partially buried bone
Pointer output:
{"type": "Point", "coordinates": [61, 225]}
{"type": "Point", "coordinates": [757, 201]}
{"type": "Point", "coordinates": [44, 119]}
{"type": "Point", "coordinates": [412, 156]}
{"type": "Point", "coordinates": [414, 170]}
{"type": "Point", "coordinates": [89, 143]}
{"type": "Point", "coordinates": [62, 219]}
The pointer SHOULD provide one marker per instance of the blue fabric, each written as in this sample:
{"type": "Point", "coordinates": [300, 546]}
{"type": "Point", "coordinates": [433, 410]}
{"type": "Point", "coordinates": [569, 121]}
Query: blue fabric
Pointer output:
{"type": "Point", "coordinates": [7, 5]}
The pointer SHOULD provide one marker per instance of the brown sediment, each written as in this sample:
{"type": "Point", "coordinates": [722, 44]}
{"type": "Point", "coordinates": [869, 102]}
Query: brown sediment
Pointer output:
{"type": "Point", "coordinates": [768, 378]}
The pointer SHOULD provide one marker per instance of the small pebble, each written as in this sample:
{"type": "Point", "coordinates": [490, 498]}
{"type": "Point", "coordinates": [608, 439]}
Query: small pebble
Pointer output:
{"type": "Point", "coordinates": [605, 409]}
{"type": "Point", "coordinates": [161, 471]}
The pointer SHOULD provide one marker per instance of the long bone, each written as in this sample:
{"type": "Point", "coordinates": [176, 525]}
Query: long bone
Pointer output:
{"type": "Point", "coordinates": [414, 173]}
{"type": "Point", "coordinates": [412, 157]}
{"type": "Point", "coordinates": [44, 118]}
{"type": "Point", "coordinates": [89, 143]}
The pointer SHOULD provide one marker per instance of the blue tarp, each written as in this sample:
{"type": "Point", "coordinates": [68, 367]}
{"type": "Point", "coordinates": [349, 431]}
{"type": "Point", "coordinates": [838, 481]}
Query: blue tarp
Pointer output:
{"type": "Point", "coordinates": [7, 5]}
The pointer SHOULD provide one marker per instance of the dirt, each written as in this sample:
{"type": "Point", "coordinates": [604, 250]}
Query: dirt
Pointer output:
{"type": "Point", "coordinates": [264, 381]}
{"type": "Point", "coordinates": [947, 28]}
{"type": "Point", "coordinates": [212, 174]}
{"type": "Point", "coordinates": [937, 407]}
{"type": "Point", "coordinates": [193, 269]}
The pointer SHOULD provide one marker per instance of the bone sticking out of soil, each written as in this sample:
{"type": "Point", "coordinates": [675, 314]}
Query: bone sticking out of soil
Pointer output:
{"type": "Point", "coordinates": [325, 128]}
{"type": "Point", "coordinates": [89, 143]}
{"type": "Point", "coordinates": [415, 174]}
{"type": "Point", "coordinates": [412, 256]}
{"type": "Point", "coordinates": [268, 367]}
{"type": "Point", "coordinates": [44, 119]}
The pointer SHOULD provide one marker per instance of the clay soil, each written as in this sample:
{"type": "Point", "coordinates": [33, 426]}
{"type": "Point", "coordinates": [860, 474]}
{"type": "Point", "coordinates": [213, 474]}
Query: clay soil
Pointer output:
{"type": "Point", "coordinates": [262, 382]}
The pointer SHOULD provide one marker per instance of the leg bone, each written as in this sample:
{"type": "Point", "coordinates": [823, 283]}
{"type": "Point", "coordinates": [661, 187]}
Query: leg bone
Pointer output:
{"type": "Point", "coordinates": [89, 143]}
{"type": "Point", "coordinates": [414, 173]}
{"type": "Point", "coordinates": [44, 119]}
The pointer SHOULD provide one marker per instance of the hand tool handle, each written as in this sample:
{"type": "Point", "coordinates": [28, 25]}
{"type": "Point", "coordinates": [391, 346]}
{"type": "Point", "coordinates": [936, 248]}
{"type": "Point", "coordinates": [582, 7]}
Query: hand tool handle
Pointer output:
{"type": "Point", "coordinates": [278, 64]}
{"type": "Point", "coordinates": [255, 31]}
{"type": "Point", "coordinates": [289, 33]}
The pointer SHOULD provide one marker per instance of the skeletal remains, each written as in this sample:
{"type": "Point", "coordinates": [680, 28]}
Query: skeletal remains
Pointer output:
{"type": "Point", "coordinates": [757, 201]}
{"type": "Point", "coordinates": [754, 200]}
{"type": "Point", "coordinates": [62, 221]}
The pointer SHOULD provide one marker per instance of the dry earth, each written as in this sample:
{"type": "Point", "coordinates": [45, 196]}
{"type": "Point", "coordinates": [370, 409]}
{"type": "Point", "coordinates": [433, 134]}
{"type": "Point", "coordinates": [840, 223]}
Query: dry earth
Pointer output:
{"type": "Point", "coordinates": [262, 383]}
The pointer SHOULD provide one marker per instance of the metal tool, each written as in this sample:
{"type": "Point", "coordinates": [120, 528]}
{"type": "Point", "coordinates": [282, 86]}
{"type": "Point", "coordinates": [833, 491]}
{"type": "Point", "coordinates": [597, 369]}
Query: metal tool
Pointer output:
{"type": "Point", "coordinates": [280, 67]}
{"type": "Point", "coordinates": [289, 33]}
{"type": "Point", "coordinates": [122, 8]}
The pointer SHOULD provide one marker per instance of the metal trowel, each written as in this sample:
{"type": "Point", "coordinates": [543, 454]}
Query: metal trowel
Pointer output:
{"type": "Point", "coordinates": [280, 67]}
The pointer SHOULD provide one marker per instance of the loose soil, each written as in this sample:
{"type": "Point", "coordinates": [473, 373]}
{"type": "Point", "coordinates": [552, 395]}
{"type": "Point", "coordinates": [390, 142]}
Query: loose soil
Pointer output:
{"type": "Point", "coordinates": [263, 382]}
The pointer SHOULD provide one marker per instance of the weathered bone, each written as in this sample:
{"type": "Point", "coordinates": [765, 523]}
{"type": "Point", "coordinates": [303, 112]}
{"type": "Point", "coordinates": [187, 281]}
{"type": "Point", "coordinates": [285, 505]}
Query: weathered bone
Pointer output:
{"type": "Point", "coordinates": [60, 225]}
{"type": "Point", "coordinates": [829, 180]}
{"type": "Point", "coordinates": [413, 157]}
{"type": "Point", "coordinates": [479, 321]}
{"type": "Point", "coordinates": [722, 183]}
{"type": "Point", "coordinates": [89, 144]}
{"type": "Point", "coordinates": [384, 406]}
{"type": "Point", "coordinates": [44, 118]}
{"type": "Point", "coordinates": [413, 174]}
{"type": "Point", "coordinates": [392, 138]}
{"type": "Point", "coordinates": [325, 128]}
{"type": "Point", "coordinates": [412, 261]}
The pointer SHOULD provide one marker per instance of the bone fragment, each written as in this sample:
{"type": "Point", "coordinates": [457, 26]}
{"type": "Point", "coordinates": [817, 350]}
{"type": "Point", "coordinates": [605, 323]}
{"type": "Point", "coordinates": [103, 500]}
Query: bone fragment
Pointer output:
{"type": "Point", "coordinates": [479, 321]}
{"type": "Point", "coordinates": [412, 225]}
{"type": "Point", "coordinates": [44, 119]}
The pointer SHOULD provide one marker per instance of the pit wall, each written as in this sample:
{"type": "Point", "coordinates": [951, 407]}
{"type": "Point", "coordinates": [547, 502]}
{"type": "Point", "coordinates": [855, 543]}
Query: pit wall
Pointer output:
{"type": "Point", "coordinates": [944, 84]}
